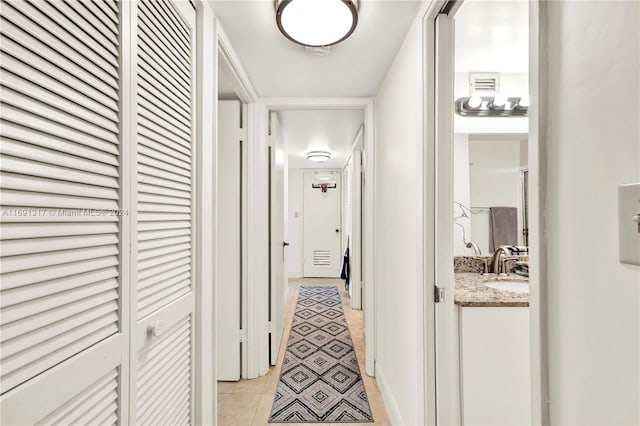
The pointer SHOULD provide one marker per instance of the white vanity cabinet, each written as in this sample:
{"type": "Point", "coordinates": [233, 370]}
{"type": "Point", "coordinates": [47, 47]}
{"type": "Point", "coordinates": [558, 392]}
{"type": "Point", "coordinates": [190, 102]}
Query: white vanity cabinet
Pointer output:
{"type": "Point", "coordinates": [494, 365]}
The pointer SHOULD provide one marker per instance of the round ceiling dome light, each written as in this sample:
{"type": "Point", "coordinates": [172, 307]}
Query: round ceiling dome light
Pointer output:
{"type": "Point", "coordinates": [318, 156]}
{"type": "Point", "coordinates": [317, 23]}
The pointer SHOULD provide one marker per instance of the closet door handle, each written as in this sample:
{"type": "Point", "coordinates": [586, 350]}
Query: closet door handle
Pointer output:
{"type": "Point", "coordinates": [284, 244]}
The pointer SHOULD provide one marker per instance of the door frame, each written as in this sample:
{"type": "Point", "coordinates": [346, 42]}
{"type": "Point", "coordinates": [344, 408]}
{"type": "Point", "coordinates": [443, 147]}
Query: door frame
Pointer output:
{"type": "Point", "coordinates": [368, 106]}
{"type": "Point", "coordinates": [433, 197]}
{"type": "Point", "coordinates": [355, 244]}
{"type": "Point", "coordinates": [255, 354]}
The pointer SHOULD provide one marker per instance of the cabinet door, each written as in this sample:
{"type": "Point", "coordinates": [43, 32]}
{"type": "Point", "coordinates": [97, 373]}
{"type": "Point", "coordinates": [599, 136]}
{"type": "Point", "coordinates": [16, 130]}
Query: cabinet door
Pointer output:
{"type": "Point", "coordinates": [63, 328]}
{"type": "Point", "coordinates": [494, 366]}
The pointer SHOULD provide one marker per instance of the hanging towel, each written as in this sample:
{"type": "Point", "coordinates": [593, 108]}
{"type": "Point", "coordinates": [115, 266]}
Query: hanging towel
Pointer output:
{"type": "Point", "coordinates": [503, 227]}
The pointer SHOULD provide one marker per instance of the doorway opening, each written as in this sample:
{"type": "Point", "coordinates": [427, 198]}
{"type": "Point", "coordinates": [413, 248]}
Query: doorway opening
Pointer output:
{"type": "Point", "coordinates": [313, 125]}
{"type": "Point", "coordinates": [231, 226]}
{"type": "Point", "coordinates": [483, 329]}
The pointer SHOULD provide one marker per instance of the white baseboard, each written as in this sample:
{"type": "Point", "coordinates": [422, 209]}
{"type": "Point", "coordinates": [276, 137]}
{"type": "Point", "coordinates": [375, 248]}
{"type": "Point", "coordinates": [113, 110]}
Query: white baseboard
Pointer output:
{"type": "Point", "coordinates": [387, 397]}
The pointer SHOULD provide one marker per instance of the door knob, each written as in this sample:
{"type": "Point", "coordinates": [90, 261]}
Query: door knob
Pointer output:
{"type": "Point", "coordinates": [337, 230]}
{"type": "Point", "coordinates": [284, 244]}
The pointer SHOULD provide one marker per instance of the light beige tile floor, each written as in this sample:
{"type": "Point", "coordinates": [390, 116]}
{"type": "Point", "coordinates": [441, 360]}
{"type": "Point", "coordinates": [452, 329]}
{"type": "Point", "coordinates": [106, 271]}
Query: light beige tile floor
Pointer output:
{"type": "Point", "coordinates": [248, 402]}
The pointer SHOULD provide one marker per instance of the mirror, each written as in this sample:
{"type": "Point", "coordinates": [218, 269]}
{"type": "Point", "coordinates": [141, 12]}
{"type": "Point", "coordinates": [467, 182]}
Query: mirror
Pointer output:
{"type": "Point", "coordinates": [490, 171]}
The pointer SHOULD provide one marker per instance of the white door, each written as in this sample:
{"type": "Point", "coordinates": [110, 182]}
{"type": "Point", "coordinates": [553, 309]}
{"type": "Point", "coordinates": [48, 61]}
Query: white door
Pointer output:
{"type": "Point", "coordinates": [163, 302]}
{"type": "Point", "coordinates": [354, 207]}
{"type": "Point", "coordinates": [322, 234]}
{"type": "Point", "coordinates": [63, 304]}
{"type": "Point", "coordinates": [447, 410]}
{"type": "Point", "coordinates": [229, 241]}
{"type": "Point", "coordinates": [277, 278]}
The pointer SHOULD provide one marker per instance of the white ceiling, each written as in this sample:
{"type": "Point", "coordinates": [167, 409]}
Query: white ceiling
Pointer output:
{"type": "Point", "coordinates": [278, 67]}
{"type": "Point", "coordinates": [492, 36]}
{"type": "Point", "coordinates": [319, 130]}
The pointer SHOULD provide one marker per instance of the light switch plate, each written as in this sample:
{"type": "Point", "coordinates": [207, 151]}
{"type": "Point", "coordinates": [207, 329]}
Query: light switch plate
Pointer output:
{"type": "Point", "coordinates": [629, 234]}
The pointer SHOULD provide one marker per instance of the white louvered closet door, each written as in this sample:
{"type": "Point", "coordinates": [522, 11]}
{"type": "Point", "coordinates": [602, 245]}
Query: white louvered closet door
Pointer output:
{"type": "Point", "coordinates": [62, 332]}
{"type": "Point", "coordinates": [165, 229]}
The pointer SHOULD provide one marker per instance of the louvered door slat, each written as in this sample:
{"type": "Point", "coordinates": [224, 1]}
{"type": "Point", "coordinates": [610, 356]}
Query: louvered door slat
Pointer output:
{"type": "Point", "coordinates": [154, 86]}
{"type": "Point", "coordinates": [39, 260]}
{"type": "Point", "coordinates": [155, 101]}
{"type": "Point", "coordinates": [103, 393]}
{"type": "Point", "coordinates": [63, 42]}
{"type": "Point", "coordinates": [19, 86]}
{"type": "Point", "coordinates": [59, 159]}
{"type": "Point", "coordinates": [12, 231]}
{"type": "Point", "coordinates": [17, 136]}
{"type": "Point", "coordinates": [74, 62]}
{"type": "Point", "coordinates": [169, 265]}
{"type": "Point", "coordinates": [53, 330]}
{"type": "Point", "coordinates": [157, 127]}
{"type": "Point", "coordinates": [161, 182]}
{"type": "Point", "coordinates": [34, 291]}
{"type": "Point", "coordinates": [29, 183]}
{"type": "Point", "coordinates": [177, 173]}
{"type": "Point", "coordinates": [66, 308]}
{"type": "Point", "coordinates": [84, 11]}
{"type": "Point", "coordinates": [154, 235]}
{"type": "Point", "coordinates": [145, 245]}
{"type": "Point", "coordinates": [150, 138]}
{"type": "Point", "coordinates": [158, 153]}
{"type": "Point", "coordinates": [175, 23]}
{"type": "Point", "coordinates": [35, 245]}
{"type": "Point", "coordinates": [159, 199]}
{"type": "Point", "coordinates": [16, 52]}
{"type": "Point", "coordinates": [41, 200]}
{"type": "Point", "coordinates": [176, 152]}
{"type": "Point", "coordinates": [71, 27]}
{"type": "Point", "coordinates": [23, 278]}
{"type": "Point", "coordinates": [31, 151]}
{"type": "Point", "coordinates": [168, 276]}
{"type": "Point", "coordinates": [20, 69]}
{"type": "Point", "coordinates": [171, 120]}
{"type": "Point", "coordinates": [32, 361]}
{"type": "Point", "coordinates": [41, 123]}
{"type": "Point", "coordinates": [57, 116]}
{"type": "Point", "coordinates": [168, 22]}
{"type": "Point", "coordinates": [144, 169]}
{"type": "Point", "coordinates": [158, 217]}
{"type": "Point", "coordinates": [57, 300]}
{"type": "Point", "coordinates": [167, 192]}
{"type": "Point", "coordinates": [155, 44]}
{"type": "Point", "coordinates": [164, 360]}
{"type": "Point", "coordinates": [20, 158]}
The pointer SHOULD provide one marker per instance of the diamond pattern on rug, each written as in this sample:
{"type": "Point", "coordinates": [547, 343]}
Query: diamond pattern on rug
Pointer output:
{"type": "Point", "coordinates": [320, 379]}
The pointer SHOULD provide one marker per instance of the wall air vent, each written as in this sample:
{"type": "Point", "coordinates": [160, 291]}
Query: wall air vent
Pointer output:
{"type": "Point", "coordinates": [321, 258]}
{"type": "Point", "coordinates": [484, 83]}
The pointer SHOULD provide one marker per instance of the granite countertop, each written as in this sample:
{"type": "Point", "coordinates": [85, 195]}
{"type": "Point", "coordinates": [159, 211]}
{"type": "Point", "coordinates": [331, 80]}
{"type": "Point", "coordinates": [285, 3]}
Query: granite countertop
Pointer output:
{"type": "Point", "coordinates": [471, 292]}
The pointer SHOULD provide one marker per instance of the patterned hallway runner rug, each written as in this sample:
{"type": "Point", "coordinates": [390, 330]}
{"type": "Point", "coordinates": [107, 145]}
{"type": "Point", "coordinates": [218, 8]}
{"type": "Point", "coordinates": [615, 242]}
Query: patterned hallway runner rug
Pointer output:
{"type": "Point", "coordinates": [320, 380]}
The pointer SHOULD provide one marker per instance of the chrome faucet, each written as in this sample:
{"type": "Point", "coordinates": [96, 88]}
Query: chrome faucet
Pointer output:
{"type": "Point", "coordinates": [495, 261]}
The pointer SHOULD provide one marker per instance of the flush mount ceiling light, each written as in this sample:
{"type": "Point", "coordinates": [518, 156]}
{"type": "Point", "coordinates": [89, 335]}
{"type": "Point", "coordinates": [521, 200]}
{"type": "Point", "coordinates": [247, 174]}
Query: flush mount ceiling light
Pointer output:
{"type": "Point", "coordinates": [493, 106]}
{"type": "Point", "coordinates": [318, 156]}
{"type": "Point", "coordinates": [317, 23]}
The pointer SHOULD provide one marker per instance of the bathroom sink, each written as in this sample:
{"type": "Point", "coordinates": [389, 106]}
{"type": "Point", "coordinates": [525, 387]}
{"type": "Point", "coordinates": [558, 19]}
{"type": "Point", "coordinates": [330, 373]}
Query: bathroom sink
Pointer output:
{"type": "Point", "coordinates": [514, 286]}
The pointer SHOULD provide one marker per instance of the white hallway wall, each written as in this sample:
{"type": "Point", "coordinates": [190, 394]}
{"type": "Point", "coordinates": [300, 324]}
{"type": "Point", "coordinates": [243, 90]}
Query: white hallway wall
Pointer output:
{"type": "Point", "coordinates": [295, 259]}
{"type": "Point", "coordinates": [398, 233]}
{"type": "Point", "coordinates": [592, 56]}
